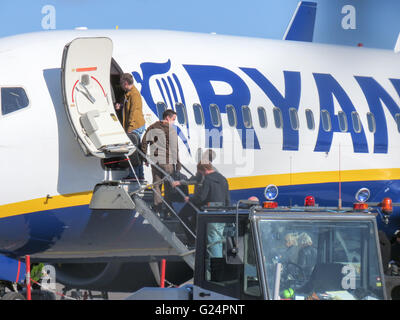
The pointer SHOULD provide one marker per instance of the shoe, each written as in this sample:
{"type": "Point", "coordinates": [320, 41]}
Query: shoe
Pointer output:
{"type": "Point", "coordinates": [133, 179]}
{"type": "Point", "coordinates": [191, 244]}
{"type": "Point", "coordinates": [157, 210]}
{"type": "Point", "coordinates": [167, 216]}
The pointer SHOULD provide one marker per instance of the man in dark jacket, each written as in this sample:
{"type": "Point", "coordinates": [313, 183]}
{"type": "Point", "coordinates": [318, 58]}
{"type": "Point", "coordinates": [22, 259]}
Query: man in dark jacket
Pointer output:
{"type": "Point", "coordinates": [214, 188]}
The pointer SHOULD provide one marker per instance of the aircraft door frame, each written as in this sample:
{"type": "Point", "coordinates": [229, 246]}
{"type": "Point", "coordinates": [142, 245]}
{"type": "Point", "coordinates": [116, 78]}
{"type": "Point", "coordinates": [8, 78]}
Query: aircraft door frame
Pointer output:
{"type": "Point", "coordinates": [86, 88]}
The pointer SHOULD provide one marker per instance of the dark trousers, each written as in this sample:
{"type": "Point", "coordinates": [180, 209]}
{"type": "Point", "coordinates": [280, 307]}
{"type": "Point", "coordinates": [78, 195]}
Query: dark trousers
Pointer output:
{"type": "Point", "coordinates": [189, 217]}
{"type": "Point", "coordinates": [139, 171]}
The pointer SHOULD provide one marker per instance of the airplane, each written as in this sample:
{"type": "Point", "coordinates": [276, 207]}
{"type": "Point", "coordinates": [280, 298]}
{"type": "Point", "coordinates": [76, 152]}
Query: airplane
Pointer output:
{"type": "Point", "coordinates": [301, 27]}
{"type": "Point", "coordinates": [313, 119]}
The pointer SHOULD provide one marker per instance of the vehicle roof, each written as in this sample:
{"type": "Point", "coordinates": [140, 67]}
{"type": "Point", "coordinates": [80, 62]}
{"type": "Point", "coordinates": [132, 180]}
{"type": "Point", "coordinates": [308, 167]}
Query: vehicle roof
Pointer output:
{"type": "Point", "coordinates": [294, 213]}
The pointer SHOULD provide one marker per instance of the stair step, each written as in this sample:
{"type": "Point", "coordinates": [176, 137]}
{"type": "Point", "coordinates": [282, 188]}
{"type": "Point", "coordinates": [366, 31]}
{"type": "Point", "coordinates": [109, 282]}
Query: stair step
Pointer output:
{"type": "Point", "coordinates": [169, 229]}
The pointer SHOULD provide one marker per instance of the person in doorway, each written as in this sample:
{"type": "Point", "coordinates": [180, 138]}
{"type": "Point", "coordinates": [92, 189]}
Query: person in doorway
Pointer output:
{"type": "Point", "coordinates": [117, 96]}
{"type": "Point", "coordinates": [163, 140]}
{"type": "Point", "coordinates": [133, 118]}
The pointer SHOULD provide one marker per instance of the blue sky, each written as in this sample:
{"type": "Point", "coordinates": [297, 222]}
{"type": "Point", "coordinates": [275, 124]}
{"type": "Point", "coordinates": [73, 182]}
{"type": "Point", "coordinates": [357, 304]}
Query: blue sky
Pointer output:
{"type": "Point", "coordinates": [377, 22]}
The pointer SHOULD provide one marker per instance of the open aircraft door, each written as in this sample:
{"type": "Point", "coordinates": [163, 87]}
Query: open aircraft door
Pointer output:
{"type": "Point", "coordinates": [87, 98]}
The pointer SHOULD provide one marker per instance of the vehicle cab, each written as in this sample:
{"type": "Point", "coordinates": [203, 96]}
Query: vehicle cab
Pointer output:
{"type": "Point", "coordinates": [288, 253]}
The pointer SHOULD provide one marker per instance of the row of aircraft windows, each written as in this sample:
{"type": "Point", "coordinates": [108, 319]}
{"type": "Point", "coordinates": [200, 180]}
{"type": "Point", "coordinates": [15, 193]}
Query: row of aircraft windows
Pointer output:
{"type": "Point", "coordinates": [277, 117]}
{"type": "Point", "coordinates": [15, 98]}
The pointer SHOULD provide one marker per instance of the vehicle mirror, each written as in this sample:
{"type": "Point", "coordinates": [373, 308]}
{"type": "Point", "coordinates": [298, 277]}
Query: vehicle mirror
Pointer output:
{"type": "Point", "coordinates": [250, 202]}
{"type": "Point", "coordinates": [233, 251]}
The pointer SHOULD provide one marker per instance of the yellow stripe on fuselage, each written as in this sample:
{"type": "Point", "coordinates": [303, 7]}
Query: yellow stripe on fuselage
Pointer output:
{"type": "Point", "coordinates": [313, 177]}
{"type": "Point", "coordinates": [43, 204]}
{"type": "Point", "coordinates": [237, 183]}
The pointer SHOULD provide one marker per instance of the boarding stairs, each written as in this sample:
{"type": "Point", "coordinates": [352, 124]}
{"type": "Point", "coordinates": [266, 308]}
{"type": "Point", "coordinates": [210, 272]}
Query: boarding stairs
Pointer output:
{"type": "Point", "coordinates": [138, 195]}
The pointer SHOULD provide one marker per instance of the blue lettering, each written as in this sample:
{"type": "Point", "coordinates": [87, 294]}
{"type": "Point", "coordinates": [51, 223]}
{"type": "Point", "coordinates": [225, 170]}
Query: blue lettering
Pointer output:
{"type": "Point", "coordinates": [290, 100]}
{"type": "Point", "coordinates": [202, 76]}
{"type": "Point", "coordinates": [150, 69]}
{"type": "Point", "coordinates": [328, 87]}
{"type": "Point", "coordinates": [375, 95]}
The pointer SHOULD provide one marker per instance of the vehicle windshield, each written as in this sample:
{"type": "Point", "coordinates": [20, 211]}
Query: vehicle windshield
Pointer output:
{"type": "Point", "coordinates": [320, 260]}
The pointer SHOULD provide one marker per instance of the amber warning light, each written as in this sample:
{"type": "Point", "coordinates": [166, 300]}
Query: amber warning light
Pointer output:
{"type": "Point", "coordinates": [386, 205]}
{"type": "Point", "coordinates": [270, 204]}
{"type": "Point", "coordinates": [360, 206]}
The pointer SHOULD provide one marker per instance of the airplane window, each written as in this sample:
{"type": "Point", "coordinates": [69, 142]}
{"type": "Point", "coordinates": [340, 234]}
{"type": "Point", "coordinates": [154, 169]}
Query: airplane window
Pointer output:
{"type": "Point", "coordinates": [342, 121]}
{"type": "Point", "coordinates": [215, 115]}
{"type": "Point", "coordinates": [248, 122]}
{"type": "Point", "coordinates": [277, 118]}
{"type": "Point", "coordinates": [326, 120]}
{"type": "Point", "coordinates": [231, 112]}
{"type": "Point", "coordinates": [356, 121]}
{"type": "Point", "coordinates": [13, 99]}
{"type": "Point", "coordinates": [310, 119]}
{"type": "Point", "coordinates": [371, 122]}
{"type": "Point", "coordinates": [294, 118]}
{"type": "Point", "coordinates": [198, 114]}
{"type": "Point", "coordinates": [398, 121]}
{"type": "Point", "coordinates": [180, 113]}
{"type": "Point", "coordinates": [262, 117]}
{"type": "Point", "coordinates": [161, 107]}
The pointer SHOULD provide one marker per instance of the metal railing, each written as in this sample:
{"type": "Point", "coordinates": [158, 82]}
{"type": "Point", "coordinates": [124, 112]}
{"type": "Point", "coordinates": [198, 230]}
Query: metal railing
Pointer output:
{"type": "Point", "coordinates": [167, 177]}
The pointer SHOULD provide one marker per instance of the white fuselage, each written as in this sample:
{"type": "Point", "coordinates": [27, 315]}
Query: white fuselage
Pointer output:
{"type": "Point", "coordinates": [41, 158]}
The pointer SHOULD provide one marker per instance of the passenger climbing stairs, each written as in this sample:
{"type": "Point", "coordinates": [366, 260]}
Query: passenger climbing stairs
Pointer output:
{"type": "Point", "coordinates": [138, 195]}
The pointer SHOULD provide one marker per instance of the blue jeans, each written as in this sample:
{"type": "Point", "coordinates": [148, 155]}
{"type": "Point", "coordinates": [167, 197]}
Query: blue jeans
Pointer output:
{"type": "Point", "coordinates": [138, 169]}
{"type": "Point", "coordinates": [215, 238]}
{"type": "Point", "coordinates": [140, 130]}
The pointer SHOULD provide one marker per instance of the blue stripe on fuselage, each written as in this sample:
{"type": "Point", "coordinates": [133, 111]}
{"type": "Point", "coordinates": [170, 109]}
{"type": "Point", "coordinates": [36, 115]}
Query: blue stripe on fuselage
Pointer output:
{"type": "Point", "coordinates": [78, 229]}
